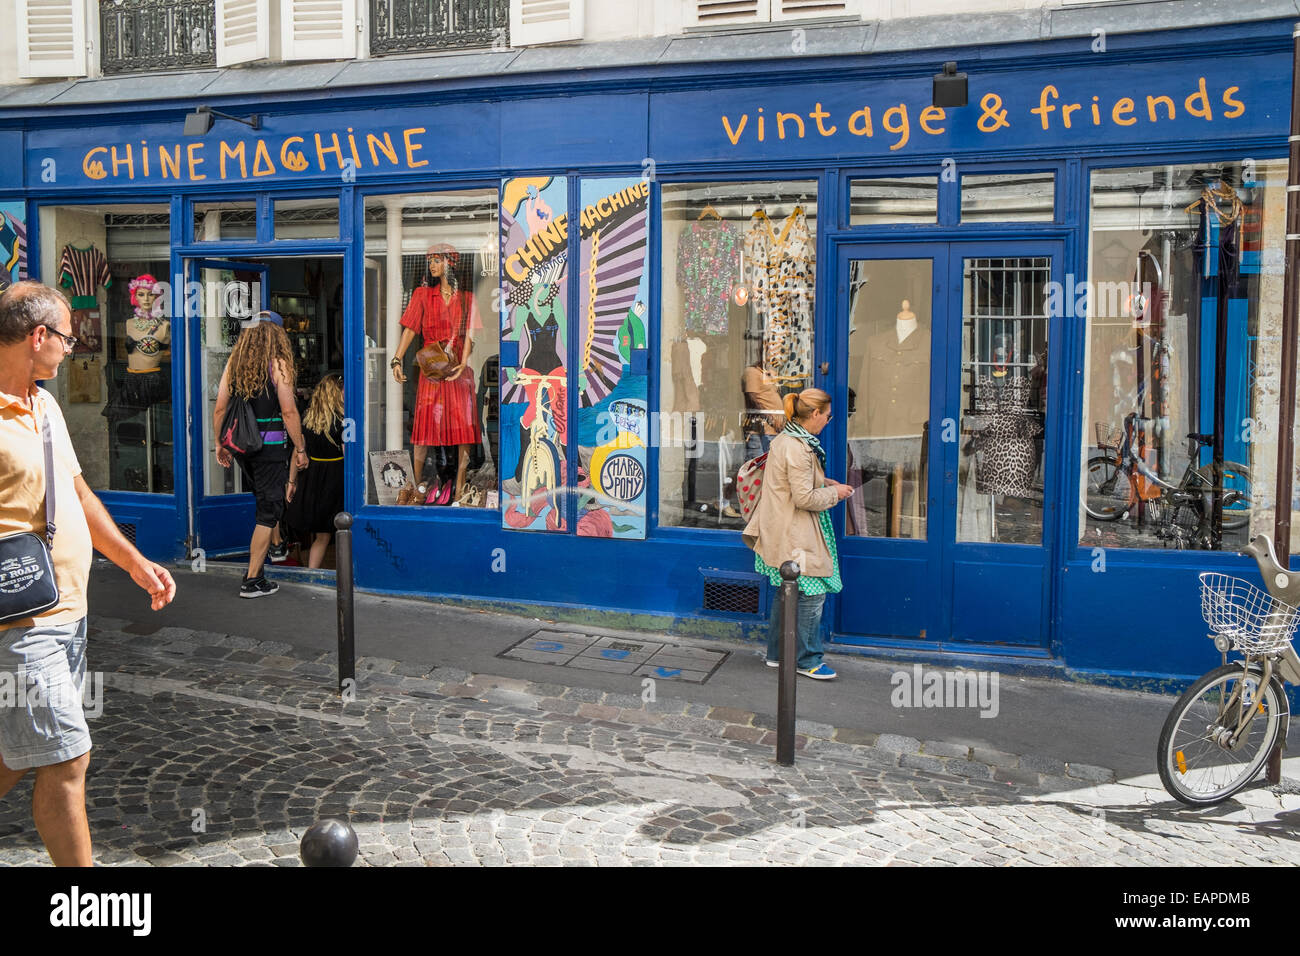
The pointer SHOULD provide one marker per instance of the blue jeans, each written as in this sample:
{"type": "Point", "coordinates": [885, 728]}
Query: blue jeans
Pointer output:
{"type": "Point", "coordinates": [756, 443]}
{"type": "Point", "coordinates": [808, 641]}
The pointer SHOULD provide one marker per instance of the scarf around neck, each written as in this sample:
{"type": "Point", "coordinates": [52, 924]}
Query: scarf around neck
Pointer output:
{"type": "Point", "coordinates": [808, 438]}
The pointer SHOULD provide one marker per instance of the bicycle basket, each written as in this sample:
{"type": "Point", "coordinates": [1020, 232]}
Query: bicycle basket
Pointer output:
{"type": "Point", "coordinates": [1108, 435]}
{"type": "Point", "coordinates": [1256, 622]}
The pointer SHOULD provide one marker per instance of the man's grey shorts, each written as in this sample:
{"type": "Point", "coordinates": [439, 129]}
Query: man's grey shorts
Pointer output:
{"type": "Point", "coordinates": [42, 670]}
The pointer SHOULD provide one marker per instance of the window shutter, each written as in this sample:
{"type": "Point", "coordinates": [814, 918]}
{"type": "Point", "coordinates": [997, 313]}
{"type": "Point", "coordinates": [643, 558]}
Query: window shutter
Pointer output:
{"type": "Point", "coordinates": [51, 38]}
{"type": "Point", "coordinates": [546, 21]}
{"type": "Point", "coordinates": [318, 29]}
{"type": "Point", "coordinates": [807, 9]}
{"type": "Point", "coordinates": [706, 13]}
{"type": "Point", "coordinates": [242, 31]}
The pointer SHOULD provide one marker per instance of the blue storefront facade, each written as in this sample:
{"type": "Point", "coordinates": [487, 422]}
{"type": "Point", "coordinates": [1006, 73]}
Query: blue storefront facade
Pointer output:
{"type": "Point", "coordinates": [613, 415]}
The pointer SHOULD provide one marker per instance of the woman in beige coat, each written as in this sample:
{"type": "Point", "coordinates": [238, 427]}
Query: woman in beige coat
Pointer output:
{"type": "Point", "coordinates": [792, 522]}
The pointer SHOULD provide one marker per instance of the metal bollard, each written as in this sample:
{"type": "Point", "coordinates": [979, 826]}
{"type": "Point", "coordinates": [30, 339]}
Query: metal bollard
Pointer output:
{"type": "Point", "coordinates": [787, 673]}
{"type": "Point", "coordinates": [343, 580]}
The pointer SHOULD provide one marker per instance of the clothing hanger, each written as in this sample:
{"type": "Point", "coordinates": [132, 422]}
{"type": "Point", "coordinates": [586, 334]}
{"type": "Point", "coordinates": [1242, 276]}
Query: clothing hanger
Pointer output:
{"type": "Point", "coordinates": [709, 211]}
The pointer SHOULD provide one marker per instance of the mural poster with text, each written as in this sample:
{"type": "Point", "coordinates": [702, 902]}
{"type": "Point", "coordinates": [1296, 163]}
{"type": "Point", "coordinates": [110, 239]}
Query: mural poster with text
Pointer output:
{"type": "Point", "coordinates": [13, 244]}
{"type": "Point", "coordinates": [534, 393]}
{"type": "Point", "coordinates": [613, 372]}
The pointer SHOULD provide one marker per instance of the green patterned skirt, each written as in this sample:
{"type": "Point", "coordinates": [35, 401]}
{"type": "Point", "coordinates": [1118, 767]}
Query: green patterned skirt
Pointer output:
{"type": "Point", "coordinates": [807, 583]}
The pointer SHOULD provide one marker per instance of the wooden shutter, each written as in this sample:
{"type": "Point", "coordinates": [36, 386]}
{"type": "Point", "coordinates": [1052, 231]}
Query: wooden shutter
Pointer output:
{"type": "Point", "coordinates": [807, 9]}
{"type": "Point", "coordinates": [318, 29]}
{"type": "Point", "coordinates": [243, 31]}
{"type": "Point", "coordinates": [51, 38]}
{"type": "Point", "coordinates": [546, 21]}
{"type": "Point", "coordinates": [705, 13]}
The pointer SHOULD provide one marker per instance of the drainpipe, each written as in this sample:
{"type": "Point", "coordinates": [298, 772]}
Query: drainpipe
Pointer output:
{"type": "Point", "coordinates": [1290, 325]}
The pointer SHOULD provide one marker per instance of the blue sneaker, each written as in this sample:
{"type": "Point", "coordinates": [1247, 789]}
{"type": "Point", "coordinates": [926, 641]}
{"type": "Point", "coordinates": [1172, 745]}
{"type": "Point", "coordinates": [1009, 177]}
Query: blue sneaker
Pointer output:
{"type": "Point", "coordinates": [820, 672]}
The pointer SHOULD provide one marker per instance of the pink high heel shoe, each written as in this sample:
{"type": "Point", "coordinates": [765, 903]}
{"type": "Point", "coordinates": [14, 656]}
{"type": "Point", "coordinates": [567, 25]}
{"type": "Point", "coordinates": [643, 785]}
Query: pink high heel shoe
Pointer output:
{"type": "Point", "coordinates": [432, 497]}
{"type": "Point", "coordinates": [444, 498]}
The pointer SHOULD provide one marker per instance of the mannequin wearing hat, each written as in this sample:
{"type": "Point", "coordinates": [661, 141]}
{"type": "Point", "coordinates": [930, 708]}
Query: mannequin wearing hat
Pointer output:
{"type": "Point", "coordinates": [445, 411]}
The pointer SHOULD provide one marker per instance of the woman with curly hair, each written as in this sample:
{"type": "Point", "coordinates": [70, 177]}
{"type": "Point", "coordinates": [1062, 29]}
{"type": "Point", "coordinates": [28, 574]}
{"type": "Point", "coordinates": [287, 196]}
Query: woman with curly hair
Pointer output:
{"type": "Point", "coordinates": [313, 503]}
{"type": "Point", "coordinates": [261, 371]}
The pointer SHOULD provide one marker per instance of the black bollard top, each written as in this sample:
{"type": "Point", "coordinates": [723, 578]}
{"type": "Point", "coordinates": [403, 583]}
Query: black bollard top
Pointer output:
{"type": "Point", "coordinates": [343, 521]}
{"type": "Point", "coordinates": [789, 571]}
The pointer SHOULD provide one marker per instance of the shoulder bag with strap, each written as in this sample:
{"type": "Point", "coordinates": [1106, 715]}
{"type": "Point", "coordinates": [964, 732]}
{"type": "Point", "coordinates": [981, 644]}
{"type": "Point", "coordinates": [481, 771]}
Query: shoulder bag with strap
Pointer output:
{"type": "Point", "coordinates": [749, 484]}
{"type": "Point", "coordinates": [27, 584]}
{"type": "Point", "coordinates": [239, 431]}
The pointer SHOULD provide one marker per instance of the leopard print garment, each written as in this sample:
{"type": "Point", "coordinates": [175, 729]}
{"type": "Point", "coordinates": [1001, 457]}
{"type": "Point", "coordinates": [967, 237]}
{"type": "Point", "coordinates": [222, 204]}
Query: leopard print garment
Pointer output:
{"type": "Point", "coordinates": [1010, 440]}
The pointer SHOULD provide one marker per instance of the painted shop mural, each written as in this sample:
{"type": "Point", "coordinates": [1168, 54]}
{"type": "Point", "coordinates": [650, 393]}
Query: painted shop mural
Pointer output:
{"type": "Point", "coordinates": [13, 243]}
{"type": "Point", "coordinates": [534, 375]}
{"type": "Point", "coordinates": [613, 371]}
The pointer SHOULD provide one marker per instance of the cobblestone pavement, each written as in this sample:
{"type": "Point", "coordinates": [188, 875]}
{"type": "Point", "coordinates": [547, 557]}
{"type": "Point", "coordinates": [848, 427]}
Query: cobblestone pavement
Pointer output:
{"type": "Point", "coordinates": [218, 749]}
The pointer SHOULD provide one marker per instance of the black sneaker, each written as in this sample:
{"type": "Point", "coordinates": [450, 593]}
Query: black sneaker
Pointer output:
{"type": "Point", "coordinates": [278, 553]}
{"type": "Point", "coordinates": [257, 587]}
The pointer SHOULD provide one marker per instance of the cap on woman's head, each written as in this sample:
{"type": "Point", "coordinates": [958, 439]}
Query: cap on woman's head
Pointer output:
{"type": "Point", "coordinates": [445, 250]}
{"type": "Point", "coordinates": [266, 315]}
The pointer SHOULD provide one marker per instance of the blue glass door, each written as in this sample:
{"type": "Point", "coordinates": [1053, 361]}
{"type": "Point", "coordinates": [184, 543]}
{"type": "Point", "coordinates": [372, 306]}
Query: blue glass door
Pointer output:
{"type": "Point", "coordinates": [945, 352]}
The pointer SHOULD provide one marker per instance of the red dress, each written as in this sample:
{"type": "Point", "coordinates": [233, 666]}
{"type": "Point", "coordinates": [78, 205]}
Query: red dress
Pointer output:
{"type": "Point", "coordinates": [445, 412]}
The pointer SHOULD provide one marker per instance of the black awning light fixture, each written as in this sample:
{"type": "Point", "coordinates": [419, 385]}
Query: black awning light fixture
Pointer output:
{"type": "Point", "coordinates": [950, 86]}
{"type": "Point", "coordinates": [200, 121]}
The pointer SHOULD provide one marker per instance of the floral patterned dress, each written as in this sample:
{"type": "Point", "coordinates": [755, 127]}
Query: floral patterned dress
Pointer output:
{"type": "Point", "coordinates": [708, 265]}
{"type": "Point", "coordinates": [780, 272]}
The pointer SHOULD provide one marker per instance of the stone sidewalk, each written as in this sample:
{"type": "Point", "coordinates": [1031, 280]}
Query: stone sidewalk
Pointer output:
{"type": "Point", "coordinates": [217, 749]}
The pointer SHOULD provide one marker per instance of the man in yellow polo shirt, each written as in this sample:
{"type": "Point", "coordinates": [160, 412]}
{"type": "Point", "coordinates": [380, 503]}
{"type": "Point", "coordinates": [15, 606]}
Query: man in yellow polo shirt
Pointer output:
{"type": "Point", "coordinates": [44, 658]}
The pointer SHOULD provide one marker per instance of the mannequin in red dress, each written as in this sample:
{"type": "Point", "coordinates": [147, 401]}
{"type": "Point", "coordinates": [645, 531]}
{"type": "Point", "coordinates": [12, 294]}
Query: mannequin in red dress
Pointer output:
{"type": "Point", "coordinates": [445, 412]}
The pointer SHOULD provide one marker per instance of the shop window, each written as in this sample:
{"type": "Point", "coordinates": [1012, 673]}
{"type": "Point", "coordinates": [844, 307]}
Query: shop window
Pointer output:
{"type": "Point", "coordinates": [889, 395]}
{"type": "Point", "coordinates": [1009, 197]}
{"type": "Point", "coordinates": [115, 388]}
{"type": "Point", "coordinates": [222, 221]}
{"type": "Point", "coordinates": [905, 200]}
{"type": "Point", "coordinates": [306, 218]}
{"type": "Point", "coordinates": [737, 335]}
{"type": "Point", "coordinates": [1178, 254]}
{"type": "Point", "coordinates": [432, 268]}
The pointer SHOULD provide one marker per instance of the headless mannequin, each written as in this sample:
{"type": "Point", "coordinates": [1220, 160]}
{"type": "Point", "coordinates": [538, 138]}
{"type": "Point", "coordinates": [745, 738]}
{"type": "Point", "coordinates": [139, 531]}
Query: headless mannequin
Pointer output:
{"type": "Point", "coordinates": [906, 321]}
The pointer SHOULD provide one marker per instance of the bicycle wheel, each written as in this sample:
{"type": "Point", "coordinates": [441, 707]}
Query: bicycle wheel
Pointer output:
{"type": "Point", "coordinates": [1196, 765]}
{"type": "Point", "coordinates": [1108, 489]}
{"type": "Point", "coordinates": [1236, 492]}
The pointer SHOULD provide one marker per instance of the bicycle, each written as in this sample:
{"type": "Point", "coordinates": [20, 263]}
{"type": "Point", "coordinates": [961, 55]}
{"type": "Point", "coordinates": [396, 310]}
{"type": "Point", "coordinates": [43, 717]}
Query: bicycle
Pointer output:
{"type": "Point", "coordinates": [1123, 484]}
{"type": "Point", "coordinates": [1223, 728]}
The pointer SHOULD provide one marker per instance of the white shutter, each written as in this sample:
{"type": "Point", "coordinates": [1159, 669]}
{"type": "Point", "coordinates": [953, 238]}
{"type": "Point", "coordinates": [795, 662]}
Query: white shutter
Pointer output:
{"type": "Point", "coordinates": [705, 13]}
{"type": "Point", "coordinates": [546, 21]}
{"type": "Point", "coordinates": [318, 29]}
{"type": "Point", "coordinates": [802, 9]}
{"type": "Point", "coordinates": [51, 38]}
{"type": "Point", "coordinates": [242, 31]}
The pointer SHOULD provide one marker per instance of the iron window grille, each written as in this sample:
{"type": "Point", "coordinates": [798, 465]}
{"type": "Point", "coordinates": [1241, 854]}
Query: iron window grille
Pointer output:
{"type": "Point", "coordinates": [423, 26]}
{"type": "Point", "coordinates": [142, 36]}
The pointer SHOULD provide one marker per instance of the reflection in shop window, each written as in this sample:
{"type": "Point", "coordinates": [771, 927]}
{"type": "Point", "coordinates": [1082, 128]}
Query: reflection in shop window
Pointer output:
{"type": "Point", "coordinates": [431, 349]}
{"type": "Point", "coordinates": [737, 325]}
{"type": "Point", "coordinates": [115, 388]}
{"type": "Point", "coordinates": [1178, 254]}
{"type": "Point", "coordinates": [235, 219]}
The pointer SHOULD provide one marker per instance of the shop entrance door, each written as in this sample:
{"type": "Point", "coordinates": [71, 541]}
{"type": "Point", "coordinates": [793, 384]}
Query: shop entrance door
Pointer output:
{"type": "Point", "coordinates": [307, 292]}
{"type": "Point", "coordinates": [228, 293]}
{"type": "Point", "coordinates": [942, 425]}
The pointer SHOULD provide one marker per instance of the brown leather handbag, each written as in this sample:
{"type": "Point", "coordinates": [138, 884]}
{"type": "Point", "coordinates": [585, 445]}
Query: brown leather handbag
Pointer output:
{"type": "Point", "coordinates": [435, 361]}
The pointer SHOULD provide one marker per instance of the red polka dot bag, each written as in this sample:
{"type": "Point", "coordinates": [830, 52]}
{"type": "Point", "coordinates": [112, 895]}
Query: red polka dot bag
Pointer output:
{"type": "Point", "coordinates": [749, 484]}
